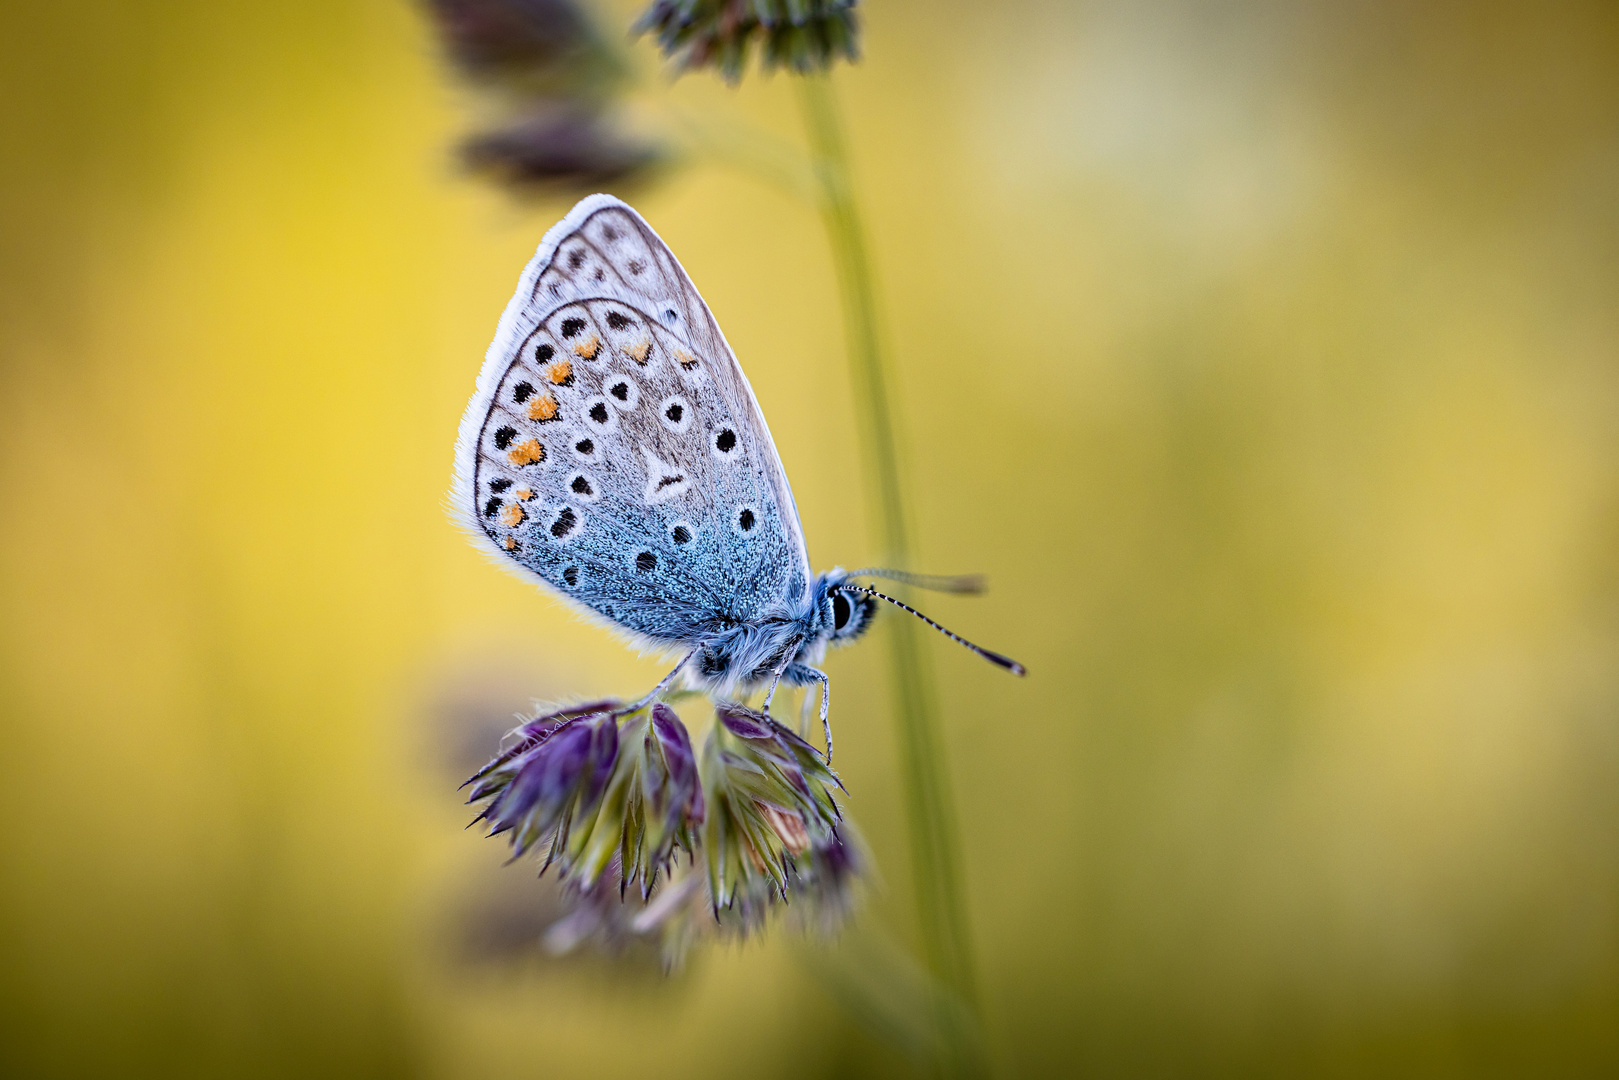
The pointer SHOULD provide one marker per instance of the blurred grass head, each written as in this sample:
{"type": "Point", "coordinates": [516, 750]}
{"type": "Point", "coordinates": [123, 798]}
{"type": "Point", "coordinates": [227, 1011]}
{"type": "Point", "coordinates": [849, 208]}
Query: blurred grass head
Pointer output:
{"type": "Point", "coordinates": [551, 88]}
{"type": "Point", "coordinates": [802, 36]}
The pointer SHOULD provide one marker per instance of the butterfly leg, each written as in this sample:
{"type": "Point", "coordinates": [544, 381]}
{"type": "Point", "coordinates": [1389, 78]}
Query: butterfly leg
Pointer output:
{"type": "Point", "coordinates": [804, 675]}
{"type": "Point", "coordinates": [770, 695]}
{"type": "Point", "coordinates": [663, 685]}
{"type": "Point", "coordinates": [775, 678]}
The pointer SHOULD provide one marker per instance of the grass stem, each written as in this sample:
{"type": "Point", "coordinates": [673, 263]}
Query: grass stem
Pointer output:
{"type": "Point", "coordinates": [935, 848]}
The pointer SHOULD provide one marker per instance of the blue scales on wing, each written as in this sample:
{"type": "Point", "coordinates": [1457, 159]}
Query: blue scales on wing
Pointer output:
{"type": "Point", "coordinates": [615, 449]}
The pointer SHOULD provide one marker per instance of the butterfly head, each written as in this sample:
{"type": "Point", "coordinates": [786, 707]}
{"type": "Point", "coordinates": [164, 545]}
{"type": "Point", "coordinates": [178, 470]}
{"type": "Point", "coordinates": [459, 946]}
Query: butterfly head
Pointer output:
{"type": "Point", "coordinates": [845, 606]}
{"type": "Point", "coordinates": [841, 616]}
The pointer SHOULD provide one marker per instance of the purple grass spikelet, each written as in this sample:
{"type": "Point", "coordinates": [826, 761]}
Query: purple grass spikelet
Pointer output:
{"type": "Point", "coordinates": [802, 36]}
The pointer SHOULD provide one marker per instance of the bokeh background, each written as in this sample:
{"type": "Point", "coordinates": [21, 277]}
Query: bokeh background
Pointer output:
{"type": "Point", "coordinates": [1265, 355]}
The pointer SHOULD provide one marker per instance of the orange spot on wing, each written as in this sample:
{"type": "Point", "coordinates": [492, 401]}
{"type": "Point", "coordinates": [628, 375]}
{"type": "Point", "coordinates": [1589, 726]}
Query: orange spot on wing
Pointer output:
{"type": "Point", "coordinates": [542, 407]}
{"type": "Point", "coordinates": [523, 493]}
{"type": "Point", "coordinates": [588, 348]}
{"type": "Point", "coordinates": [560, 373]}
{"type": "Point", "coordinates": [685, 359]}
{"type": "Point", "coordinates": [527, 453]}
{"type": "Point", "coordinates": [510, 543]}
{"type": "Point", "coordinates": [639, 351]}
{"type": "Point", "coordinates": [512, 516]}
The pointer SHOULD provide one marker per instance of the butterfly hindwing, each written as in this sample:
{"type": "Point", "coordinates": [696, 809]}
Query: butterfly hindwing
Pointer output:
{"type": "Point", "coordinates": [614, 447]}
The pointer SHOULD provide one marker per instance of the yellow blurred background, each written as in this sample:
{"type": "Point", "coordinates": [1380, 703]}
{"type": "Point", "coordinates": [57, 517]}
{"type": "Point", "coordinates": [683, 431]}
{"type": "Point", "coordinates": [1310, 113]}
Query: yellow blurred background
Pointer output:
{"type": "Point", "coordinates": [1264, 355]}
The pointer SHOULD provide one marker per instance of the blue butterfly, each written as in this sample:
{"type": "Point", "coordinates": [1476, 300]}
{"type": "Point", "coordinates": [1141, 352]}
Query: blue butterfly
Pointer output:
{"type": "Point", "coordinates": [615, 450]}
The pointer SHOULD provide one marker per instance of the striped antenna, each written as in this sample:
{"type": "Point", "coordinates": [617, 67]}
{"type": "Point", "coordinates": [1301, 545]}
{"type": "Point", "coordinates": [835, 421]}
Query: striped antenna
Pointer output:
{"type": "Point", "coordinates": [993, 657]}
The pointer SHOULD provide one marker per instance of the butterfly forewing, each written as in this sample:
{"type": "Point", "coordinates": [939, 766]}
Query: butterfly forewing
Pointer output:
{"type": "Point", "coordinates": [615, 449]}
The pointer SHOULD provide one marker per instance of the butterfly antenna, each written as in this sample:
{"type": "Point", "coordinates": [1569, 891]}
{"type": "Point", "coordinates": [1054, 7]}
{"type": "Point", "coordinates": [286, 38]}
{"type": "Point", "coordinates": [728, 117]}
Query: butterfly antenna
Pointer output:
{"type": "Point", "coordinates": [993, 657]}
{"type": "Point", "coordinates": [970, 584]}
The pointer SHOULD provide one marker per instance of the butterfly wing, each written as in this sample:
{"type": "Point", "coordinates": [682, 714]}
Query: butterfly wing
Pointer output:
{"type": "Point", "coordinates": [614, 448]}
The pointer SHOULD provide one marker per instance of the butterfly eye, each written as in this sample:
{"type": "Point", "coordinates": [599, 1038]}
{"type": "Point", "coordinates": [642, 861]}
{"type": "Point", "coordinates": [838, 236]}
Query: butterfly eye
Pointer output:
{"type": "Point", "coordinates": [841, 611]}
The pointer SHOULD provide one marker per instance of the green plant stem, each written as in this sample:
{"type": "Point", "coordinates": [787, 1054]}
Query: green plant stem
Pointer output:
{"type": "Point", "coordinates": [935, 853]}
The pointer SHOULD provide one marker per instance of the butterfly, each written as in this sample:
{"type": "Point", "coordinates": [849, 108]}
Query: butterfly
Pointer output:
{"type": "Point", "coordinates": [614, 450]}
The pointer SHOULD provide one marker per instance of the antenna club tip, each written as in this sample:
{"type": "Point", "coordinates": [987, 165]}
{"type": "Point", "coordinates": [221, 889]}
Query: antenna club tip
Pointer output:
{"type": "Point", "coordinates": [1006, 662]}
